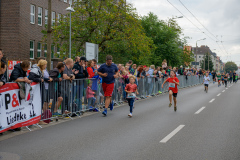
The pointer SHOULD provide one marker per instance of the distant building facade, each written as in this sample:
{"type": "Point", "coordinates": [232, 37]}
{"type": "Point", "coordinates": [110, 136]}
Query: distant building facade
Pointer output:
{"type": "Point", "coordinates": [21, 23]}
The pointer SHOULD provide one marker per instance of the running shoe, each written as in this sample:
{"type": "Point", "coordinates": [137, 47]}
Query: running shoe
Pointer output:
{"type": "Point", "coordinates": [90, 108]}
{"type": "Point", "coordinates": [96, 110]}
{"type": "Point", "coordinates": [170, 104]}
{"type": "Point", "coordinates": [175, 108]}
{"type": "Point", "coordinates": [111, 106]}
{"type": "Point", "coordinates": [56, 114]}
{"type": "Point", "coordinates": [130, 115]}
{"type": "Point", "coordinates": [160, 92]}
{"type": "Point", "coordinates": [104, 112]}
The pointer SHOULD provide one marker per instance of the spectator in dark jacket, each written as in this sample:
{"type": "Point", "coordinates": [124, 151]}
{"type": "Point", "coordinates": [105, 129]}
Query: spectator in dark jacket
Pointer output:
{"type": "Point", "coordinates": [3, 68]}
{"type": "Point", "coordinates": [1, 60]}
{"type": "Point", "coordinates": [36, 72]}
{"type": "Point", "coordinates": [36, 75]}
{"type": "Point", "coordinates": [19, 73]}
{"type": "Point", "coordinates": [180, 70]}
{"type": "Point", "coordinates": [81, 68]}
{"type": "Point", "coordinates": [55, 74]}
{"type": "Point", "coordinates": [81, 74]}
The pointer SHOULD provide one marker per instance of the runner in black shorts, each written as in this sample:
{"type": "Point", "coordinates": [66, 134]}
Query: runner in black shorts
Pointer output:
{"type": "Point", "coordinates": [173, 90]}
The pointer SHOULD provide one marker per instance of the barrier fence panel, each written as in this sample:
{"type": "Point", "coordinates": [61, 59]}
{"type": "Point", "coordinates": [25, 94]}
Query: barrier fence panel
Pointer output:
{"type": "Point", "coordinates": [72, 98]}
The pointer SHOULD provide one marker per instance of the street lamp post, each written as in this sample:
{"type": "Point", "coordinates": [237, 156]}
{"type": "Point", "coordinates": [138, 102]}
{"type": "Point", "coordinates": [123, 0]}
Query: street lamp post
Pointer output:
{"type": "Point", "coordinates": [70, 9]}
{"type": "Point", "coordinates": [175, 18]}
{"type": "Point", "coordinates": [196, 51]}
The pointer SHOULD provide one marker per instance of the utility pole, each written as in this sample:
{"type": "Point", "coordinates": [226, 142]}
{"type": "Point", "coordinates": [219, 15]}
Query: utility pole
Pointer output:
{"type": "Point", "coordinates": [49, 32]}
{"type": "Point", "coordinates": [204, 63]}
{"type": "Point", "coordinates": [208, 61]}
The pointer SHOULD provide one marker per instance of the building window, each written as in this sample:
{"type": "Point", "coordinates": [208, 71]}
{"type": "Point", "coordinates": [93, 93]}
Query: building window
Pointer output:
{"type": "Point", "coordinates": [45, 50]}
{"type": "Point", "coordinates": [39, 16]}
{"type": "Point", "coordinates": [46, 16]}
{"type": "Point", "coordinates": [53, 18]}
{"type": "Point", "coordinates": [59, 17]}
{"type": "Point", "coordinates": [199, 56]}
{"type": "Point", "coordinates": [39, 49]}
{"type": "Point", "coordinates": [52, 50]}
{"type": "Point", "coordinates": [70, 2]}
{"type": "Point", "coordinates": [31, 49]}
{"type": "Point", "coordinates": [32, 14]}
{"type": "Point", "coordinates": [64, 18]}
{"type": "Point", "coordinates": [65, 1]}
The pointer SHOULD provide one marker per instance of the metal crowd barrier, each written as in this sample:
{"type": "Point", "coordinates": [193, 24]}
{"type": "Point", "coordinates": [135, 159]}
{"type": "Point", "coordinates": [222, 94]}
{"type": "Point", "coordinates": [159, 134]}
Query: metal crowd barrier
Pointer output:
{"type": "Point", "coordinates": [68, 99]}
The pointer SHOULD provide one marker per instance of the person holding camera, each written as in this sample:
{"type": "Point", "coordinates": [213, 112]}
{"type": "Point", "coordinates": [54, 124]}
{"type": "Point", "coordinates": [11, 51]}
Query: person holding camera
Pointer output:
{"type": "Point", "coordinates": [81, 74]}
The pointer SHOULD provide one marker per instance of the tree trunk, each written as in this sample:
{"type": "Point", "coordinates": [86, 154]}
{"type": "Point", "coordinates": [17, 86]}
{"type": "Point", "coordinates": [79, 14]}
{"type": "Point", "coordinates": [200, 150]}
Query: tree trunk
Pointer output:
{"type": "Point", "coordinates": [49, 31]}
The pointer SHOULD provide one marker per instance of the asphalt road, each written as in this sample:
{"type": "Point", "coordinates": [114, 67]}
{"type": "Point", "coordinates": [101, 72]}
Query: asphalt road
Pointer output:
{"type": "Point", "coordinates": [155, 132]}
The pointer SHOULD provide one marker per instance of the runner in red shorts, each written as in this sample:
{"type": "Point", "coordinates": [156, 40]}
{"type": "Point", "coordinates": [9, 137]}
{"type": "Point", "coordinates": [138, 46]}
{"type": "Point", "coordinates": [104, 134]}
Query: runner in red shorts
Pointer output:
{"type": "Point", "coordinates": [108, 72]}
{"type": "Point", "coordinates": [173, 90]}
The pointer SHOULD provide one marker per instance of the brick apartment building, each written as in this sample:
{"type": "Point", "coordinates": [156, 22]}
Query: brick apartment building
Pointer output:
{"type": "Point", "coordinates": [21, 23]}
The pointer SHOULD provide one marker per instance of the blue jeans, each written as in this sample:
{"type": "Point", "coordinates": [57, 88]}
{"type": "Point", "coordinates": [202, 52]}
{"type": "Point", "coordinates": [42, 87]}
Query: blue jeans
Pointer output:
{"type": "Point", "coordinates": [150, 91]}
{"type": "Point", "coordinates": [77, 95]}
{"type": "Point", "coordinates": [124, 93]}
{"type": "Point", "coordinates": [130, 103]}
{"type": "Point", "coordinates": [91, 101]}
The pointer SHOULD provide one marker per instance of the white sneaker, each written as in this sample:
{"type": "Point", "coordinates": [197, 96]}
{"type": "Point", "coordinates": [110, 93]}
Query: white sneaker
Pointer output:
{"type": "Point", "coordinates": [130, 115]}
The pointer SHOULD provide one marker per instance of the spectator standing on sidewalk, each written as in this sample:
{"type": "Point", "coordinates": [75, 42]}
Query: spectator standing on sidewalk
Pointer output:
{"type": "Point", "coordinates": [37, 75]}
{"type": "Point", "coordinates": [3, 68]}
{"type": "Point", "coordinates": [55, 74]}
{"type": "Point", "coordinates": [19, 75]}
{"type": "Point", "coordinates": [80, 74]}
{"type": "Point", "coordinates": [1, 60]}
{"type": "Point", "coordinates": [108, 71]}
{"type": "Point", "coordinates": [68, 75]}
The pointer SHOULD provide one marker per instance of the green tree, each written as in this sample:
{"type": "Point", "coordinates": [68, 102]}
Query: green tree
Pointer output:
{"type": "Point", "coordinates": [207, 58]}
{"type": "Point", "coordinates": [166, 38]}
{"type": "Point", "coordinates": [187, 57]}
{"type": "Point", "coordinates": [114, 25]}
{"type": "Point", "coordinates": [230, 66]}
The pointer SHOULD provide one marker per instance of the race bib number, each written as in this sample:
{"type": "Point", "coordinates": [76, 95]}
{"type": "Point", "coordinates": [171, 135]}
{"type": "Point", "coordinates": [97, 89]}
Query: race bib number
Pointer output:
{"type": "Point", "coordinates": [172, 85]}
{"type": "Point", "coordinates": [131, 95]}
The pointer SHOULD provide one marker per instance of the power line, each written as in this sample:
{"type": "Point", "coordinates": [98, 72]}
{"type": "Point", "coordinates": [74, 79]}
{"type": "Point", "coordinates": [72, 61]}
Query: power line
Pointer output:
{"type": "Point", "coordinates": [197, 19]}
{"type": "Point", "coordinates": [195, 25]}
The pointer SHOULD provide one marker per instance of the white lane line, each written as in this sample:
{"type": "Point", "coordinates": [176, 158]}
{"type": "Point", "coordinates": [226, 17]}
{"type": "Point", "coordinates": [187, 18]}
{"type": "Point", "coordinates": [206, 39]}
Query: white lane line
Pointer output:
{"type": "Point", "coordinates": [212, 100]}
{"type": "Point", "coordinates": [164, 140]}
{"type": "Point", "coordinates": [200, 110]}
{"type": "Point", "coordinates": [219, 94]}
{"type": "Point", "coordinates": [223, 91]}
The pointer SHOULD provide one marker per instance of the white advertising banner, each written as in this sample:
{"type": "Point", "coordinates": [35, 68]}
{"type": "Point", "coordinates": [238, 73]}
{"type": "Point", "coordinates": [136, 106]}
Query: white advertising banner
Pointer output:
{"type": "Point", "coordinates": [15, 113]}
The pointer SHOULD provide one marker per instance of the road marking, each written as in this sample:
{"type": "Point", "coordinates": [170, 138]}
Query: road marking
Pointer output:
{"type": "Point", "coordinates": [200, 110]}
{"type": "Point", "coordinates": [212, 100]}
{"type": "Point", "coordinates": [219, 94]}
{"type": "Point", "coordinates": [223, 91]}
{"type": "Point", "coordinates": [226, 88]}
{"type": "Point", "coordinates": [164, 140]}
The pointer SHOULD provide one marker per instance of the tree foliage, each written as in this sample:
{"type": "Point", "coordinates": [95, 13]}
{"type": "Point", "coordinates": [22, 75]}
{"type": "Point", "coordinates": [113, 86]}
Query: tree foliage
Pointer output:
{"type": "Point", "coordinates": [166, 38]}
{"type": "Point", "coordinates": [230, 66]}
{"type": "Point", "coordinates": [205, 66]}
{"type": "Point", "coordinates": [114, 25]}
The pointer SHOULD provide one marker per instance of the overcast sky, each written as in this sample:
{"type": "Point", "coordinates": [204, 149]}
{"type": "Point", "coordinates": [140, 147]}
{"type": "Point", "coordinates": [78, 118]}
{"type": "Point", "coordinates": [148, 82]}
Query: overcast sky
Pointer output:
{"type": "Point", "coordinates": [220, 17]}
